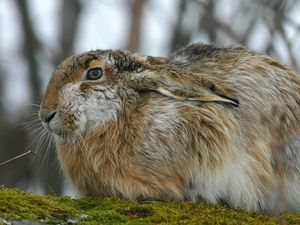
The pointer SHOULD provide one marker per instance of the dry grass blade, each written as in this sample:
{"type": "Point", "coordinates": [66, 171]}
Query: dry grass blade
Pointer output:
{"type": "Point", "coordinates": [19, 156]}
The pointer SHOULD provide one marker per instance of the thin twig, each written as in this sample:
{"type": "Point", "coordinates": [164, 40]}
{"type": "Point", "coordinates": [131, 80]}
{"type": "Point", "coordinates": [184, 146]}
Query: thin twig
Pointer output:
{"type": "Point", "coordinates": [19, 156]}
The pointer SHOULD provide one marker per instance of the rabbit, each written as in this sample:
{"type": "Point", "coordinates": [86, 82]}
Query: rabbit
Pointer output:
{"type": "Point", "coordinates": [211, 123]}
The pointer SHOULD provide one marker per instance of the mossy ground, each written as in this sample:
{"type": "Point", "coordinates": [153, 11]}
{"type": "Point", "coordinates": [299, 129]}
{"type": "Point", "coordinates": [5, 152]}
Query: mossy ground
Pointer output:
{"type": "Point", "coordinates": [19, 205]}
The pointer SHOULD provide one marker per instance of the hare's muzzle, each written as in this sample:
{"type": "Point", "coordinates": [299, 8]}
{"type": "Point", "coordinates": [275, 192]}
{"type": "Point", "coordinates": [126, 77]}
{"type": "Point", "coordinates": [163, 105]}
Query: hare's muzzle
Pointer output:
{"type": "Point", "coordinates": [46, 115]}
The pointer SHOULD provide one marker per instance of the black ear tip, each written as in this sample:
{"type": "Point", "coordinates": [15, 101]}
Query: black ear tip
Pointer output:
{"type": "Point", "coordinates": [235, 102]}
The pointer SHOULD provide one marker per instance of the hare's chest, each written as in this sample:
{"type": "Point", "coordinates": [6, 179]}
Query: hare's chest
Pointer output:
{"type": "Point", "coordinates": [86, 172]}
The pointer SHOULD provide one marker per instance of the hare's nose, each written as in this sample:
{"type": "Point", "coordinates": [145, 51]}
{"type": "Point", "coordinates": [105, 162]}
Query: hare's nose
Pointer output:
{"type": "Point", "coordinates": [46, 115]}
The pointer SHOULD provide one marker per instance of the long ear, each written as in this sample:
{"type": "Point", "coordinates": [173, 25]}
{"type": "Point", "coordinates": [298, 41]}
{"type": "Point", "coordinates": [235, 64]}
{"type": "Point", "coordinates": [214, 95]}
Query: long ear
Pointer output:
{"type": "Point", "coordinates": [156, 60]}
{"type": "Point", "coordinates": [181, 84]}
{"type": "Point", "coordinates": [149, 60]}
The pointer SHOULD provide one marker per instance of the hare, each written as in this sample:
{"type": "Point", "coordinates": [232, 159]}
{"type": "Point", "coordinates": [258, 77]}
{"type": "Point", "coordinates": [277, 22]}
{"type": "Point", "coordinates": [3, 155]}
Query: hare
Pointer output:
{"type": "Point", "coordinates": [214, 123]}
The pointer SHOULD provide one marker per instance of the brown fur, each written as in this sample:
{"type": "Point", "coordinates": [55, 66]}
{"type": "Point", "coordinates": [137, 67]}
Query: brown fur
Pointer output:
{"type": "Point", "coordinates": [179, 132]}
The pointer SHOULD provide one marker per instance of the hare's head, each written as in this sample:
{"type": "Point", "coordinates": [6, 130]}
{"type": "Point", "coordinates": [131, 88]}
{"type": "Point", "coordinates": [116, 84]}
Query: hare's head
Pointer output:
{"type": "Point", "coordinates": [90, 90]}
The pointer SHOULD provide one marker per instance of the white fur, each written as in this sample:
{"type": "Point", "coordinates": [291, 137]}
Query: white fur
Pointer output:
{"type": "Point", "coordinates": [89, 111]}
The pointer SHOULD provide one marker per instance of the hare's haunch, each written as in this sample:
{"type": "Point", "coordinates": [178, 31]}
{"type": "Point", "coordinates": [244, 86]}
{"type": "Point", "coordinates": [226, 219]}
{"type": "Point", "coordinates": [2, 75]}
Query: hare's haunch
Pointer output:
{"type": "Point", "coordinates": [220, 124]}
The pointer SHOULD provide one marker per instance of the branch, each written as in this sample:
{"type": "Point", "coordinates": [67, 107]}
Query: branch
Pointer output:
{"type": "Point", "coordinates": [19, 156]}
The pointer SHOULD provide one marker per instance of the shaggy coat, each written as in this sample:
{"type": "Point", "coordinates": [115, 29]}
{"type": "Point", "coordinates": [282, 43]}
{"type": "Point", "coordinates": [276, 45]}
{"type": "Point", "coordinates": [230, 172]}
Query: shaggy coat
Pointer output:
{"type": "Point", "coordinates": [212, 123]}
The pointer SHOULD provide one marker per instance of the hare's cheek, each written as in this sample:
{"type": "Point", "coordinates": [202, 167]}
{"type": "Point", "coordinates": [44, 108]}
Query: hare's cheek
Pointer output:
{"type": "Point", "coordinates": [103, 106]}
{"type": "Point", "coordinates": [71, 109]}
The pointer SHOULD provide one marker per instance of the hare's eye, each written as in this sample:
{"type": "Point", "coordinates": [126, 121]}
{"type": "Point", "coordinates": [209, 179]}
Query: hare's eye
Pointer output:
{"type": "Point", "coordinates": [94, 74]}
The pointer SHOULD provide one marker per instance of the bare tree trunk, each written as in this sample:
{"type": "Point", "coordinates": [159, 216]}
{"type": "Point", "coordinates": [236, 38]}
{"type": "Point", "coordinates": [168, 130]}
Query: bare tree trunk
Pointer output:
{"type": "Point", "coordinates": [134, 33]}
{"type": "Point", "coordinates": [48, 178]}
{"type": "Point", "coordinates": [210, 24]}
{"type": "Point", "coordinates": [208, 21]}
{"type": "Point", "coordinates": [2, 111]}
{"type": "Point", "coordinates": [70, 16]}
{"type": "Point", "coordinates": [31, 46]}
{"type": "Point", "coordinates": [179, 37]}
{"type": "Point", "coordinates": [22, 173]}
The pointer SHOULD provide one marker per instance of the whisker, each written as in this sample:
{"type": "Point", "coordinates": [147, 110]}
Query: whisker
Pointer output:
{"type": "Point", "coordinates": [87, 149]}
{"type": "Point", "coordinates": [84, 144]}
{"type": "Point", "coordinates": [30, 127]}
{"type": "Point", "coordinates": [48, 148]}
{"type": "Point", "coordinates": [35, 154]}
{"type": "Point", "coordinates": [29, 118]}
{"type": "Point", "coordinates": [32, 104]}
{"type": "Point", "coordinates": [34, 136]}
{"type": "Point", "coordinates": [48, 141]}
{"type": "Point", "coordinates": [30, 122]}
{"type": "Point", "coordinates": [35, 133]}
{"type": "Point", "coordinates": [38, 142]}
{"type": "Point", "coordinates": [43, 142]}
{"type": "Point", "coordinates": [81, 142]}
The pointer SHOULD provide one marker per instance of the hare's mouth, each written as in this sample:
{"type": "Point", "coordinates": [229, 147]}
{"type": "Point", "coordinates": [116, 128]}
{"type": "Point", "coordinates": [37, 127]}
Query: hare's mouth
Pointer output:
{"type": "Point", "coordinates": [62, 135]}
{"type": "Point", "coordinates": [65, 130]}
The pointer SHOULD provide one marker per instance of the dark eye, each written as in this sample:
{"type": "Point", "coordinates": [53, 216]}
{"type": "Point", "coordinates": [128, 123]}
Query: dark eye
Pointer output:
{"type": "Point", "coordinates": [94, 74]}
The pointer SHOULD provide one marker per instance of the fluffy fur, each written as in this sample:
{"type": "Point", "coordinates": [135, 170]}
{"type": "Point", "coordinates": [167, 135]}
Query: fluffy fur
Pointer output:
{"type": "Point", "coordinates": [212, 123]}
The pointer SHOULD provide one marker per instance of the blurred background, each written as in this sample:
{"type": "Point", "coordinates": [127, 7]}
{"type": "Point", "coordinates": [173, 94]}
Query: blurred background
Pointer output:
{"type": "Point", "coordinates": [35, 36]}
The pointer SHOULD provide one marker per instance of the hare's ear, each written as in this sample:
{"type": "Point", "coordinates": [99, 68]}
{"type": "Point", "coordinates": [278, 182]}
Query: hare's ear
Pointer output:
{"type": "Point", "coordinates": [187, 88]}
{"type": "Point", "coordinates": [156, 60]}
{"type": "Point", "coordinates": [150, 60]}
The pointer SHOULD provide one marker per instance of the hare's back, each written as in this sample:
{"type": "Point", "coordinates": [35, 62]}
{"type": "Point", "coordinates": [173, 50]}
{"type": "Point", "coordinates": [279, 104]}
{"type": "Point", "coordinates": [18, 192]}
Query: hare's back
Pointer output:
{"type": "Point", "coordinates": [268, 92]}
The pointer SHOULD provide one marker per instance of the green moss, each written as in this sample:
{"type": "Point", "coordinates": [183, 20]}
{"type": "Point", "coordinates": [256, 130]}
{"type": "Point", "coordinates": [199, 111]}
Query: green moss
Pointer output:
{"type": "Point", "coordinates": [19, 205]}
